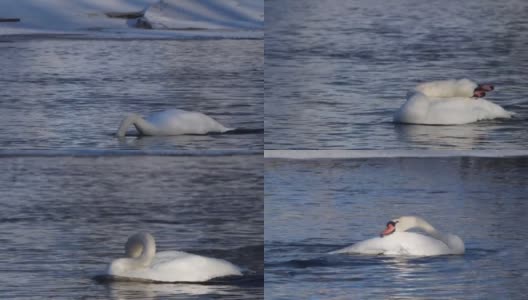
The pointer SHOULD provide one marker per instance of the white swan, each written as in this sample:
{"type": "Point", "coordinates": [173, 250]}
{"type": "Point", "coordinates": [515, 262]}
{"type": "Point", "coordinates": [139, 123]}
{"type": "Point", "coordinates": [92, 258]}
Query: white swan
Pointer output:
{"type": "Point", "coordinates": [448, 102]}
{"type": "Point", "coordinates": [394, 240]}
{"type": "Point", "coordinates": [143, 263]}
{"type": "Point", "coordinates": [172, 122]}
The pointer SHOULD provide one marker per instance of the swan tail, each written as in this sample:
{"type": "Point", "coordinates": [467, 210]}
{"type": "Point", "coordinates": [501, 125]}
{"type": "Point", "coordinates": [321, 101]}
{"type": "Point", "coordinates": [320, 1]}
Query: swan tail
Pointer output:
{"type": "Point", "coordinates": [129, 120]}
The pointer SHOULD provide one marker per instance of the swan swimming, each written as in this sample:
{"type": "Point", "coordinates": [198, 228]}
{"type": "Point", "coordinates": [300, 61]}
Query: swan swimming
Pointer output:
{"type": "Point", "coordinates": [395, 240]}
{"type": "Point", "coordinates": [449, 102]}
{"type": "Point", "coordinates": [172, 122]}
{"type": "Point", "coordinates": [143, 263]}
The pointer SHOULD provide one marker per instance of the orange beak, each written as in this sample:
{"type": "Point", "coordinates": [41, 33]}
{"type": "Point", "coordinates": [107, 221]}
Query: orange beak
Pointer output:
{"type": "Point", "coordinates": [390, 229]}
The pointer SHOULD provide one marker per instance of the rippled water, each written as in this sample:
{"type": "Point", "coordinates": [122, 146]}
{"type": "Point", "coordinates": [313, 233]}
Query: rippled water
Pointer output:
{"type": "Point", "coordinates": [72, 94]}
{"type": "Point", "coordinates": [316, 206]}
{"type": "Point", "coordinates": [336, 71]}
{"type": "Point", "coordinates": [63, 219]}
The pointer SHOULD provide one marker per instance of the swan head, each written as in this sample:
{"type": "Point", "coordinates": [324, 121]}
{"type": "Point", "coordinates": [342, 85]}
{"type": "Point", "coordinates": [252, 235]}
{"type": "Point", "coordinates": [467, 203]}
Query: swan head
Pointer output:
{"type": "Point", "coordinates": [137, 244]}
{"type": "Point", "coordinates": [402, 224]}
{"type": "Point", "coordinates": [481, 89]}
{"type": "Point", "coordinates": [140, 245]}
{"type": "Point", "coordinates": [140, 249]}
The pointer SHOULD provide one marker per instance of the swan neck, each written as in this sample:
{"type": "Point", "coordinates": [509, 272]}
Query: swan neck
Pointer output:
{"type": "Point", "coordinates": [429, 229]}
{"type": "Point", "coordinates": [143, 126]}
{"type": "Point", "coordinates": [141, 248]}
{"type": "Point", "coordinates": [129, 120]}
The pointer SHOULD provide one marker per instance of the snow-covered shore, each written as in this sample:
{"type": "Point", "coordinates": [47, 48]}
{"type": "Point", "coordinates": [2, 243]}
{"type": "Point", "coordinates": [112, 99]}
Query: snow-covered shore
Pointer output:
{"type": "Point", "coordinates": [134, 18]}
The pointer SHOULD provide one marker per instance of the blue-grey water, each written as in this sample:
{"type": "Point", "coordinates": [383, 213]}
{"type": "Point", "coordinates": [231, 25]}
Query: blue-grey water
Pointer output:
{"type": "Point", "coordinates": [72, 93]}
{"type": "Point", "coordinates": [336, 71]}
{"type": "Point", "coordinates": [316, 206]}
{"type": "Point", "coordinates": [63, 219]}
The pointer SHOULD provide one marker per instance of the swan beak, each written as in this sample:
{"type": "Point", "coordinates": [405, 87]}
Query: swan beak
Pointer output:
{"type": "Point", "coordinates": [481, 90]}
{"type": "Point", "coordinates": [390, 229]}
{"type": "Point", "coordinates": [478, 93]}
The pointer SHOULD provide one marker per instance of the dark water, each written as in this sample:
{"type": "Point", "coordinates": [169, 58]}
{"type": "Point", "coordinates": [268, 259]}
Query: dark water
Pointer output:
{"type": "Point", "coordinates": [72, 94]}
{"type": "Point", "coordinates": [316, 206]}
{"type": "Point", "coordinates": [336, 71]}
{"type": "Point", "coordinates": [63, 219]}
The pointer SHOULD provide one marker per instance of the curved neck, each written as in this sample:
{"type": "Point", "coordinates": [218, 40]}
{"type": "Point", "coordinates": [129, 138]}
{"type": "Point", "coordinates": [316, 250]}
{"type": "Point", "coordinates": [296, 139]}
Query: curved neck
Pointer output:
{"type": "Point", "coordinates": [141, 248]}
{"type": "Point", "coordinates": [429, 229]}
{"type": "Point", "coordinates": [142, 126]}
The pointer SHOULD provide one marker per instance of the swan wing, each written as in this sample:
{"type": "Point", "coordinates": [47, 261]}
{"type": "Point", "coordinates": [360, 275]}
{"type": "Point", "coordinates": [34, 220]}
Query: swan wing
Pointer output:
{"type": "Point", "coordinates": [178, 121]}
{"type": "Point", "coordinates": [172, 266]}
{"type": "Point", "coordinates": [420, 109]}
{"type": "Point", "coordinates": [463, 110]}
{"type": "Point", "coordinates": [399, 243]}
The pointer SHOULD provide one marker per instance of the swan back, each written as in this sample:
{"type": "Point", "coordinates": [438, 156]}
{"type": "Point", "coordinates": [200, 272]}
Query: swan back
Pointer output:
{"type": "Point", "coordinates": [447, 102]}
{"type": "Point", "coordinates": [399, 243]}
{"type": "Point", "coordinates": [396, 240]}
{"type": "Point", "coordinates": [178, 121]}
{"type": "Point", "coordinates": [183, 266]}
{"type": "Point", "coordinates": [172, 122]}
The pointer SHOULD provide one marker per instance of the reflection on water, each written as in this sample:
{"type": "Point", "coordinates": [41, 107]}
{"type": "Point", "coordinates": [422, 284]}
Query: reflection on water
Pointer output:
{"type": "Point", "coordinates": [65, 218]}
{"type": "Point", "coordinates": [134, 290]}
{"type": "Point", "coordinates": [336, 71]}
{"type": "Point", "coordinates": [441, 137]}
{"type": "Point", "coordinates": [320, 205]}
{"type": "Point", "coordinates": [461, 137]}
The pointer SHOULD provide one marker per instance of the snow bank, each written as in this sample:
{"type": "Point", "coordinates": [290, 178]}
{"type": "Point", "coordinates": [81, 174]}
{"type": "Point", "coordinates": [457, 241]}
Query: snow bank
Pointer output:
{"type": "Point", "coordinates": [131, 18]}
{"type": "Point", "coordinates": [206, 14]}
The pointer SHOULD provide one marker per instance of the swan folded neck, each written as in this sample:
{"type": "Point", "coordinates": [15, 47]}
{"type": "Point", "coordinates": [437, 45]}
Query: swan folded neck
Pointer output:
{"type": "Point", "coordinates": [452, 241]}
{"type": "Point", "coordinates": [129, 120]}
{"type": "Point", "coordinates": [142, 126]}
{"type": "Point", "coordinates": [140, 249]}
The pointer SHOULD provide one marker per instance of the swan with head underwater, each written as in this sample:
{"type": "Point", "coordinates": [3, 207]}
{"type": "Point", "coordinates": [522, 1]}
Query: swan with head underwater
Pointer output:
{"type": "Point", "coordinates": [172, 122]}
{"type": "Point", "coordinates": [396, 241]}
{"type": "Point", "coordinates": [449, 102]}
{"type": "Point", "coordinates": [144, 264]}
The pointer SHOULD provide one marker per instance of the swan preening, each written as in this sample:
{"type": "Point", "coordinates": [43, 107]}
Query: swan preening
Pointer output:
{"type": "Point", "coordinates": [143, 263]}
{"type": "Point", "coordinates": [448, 102]}
{"type": "Point", "coordinates": [395, 240]}
{"type": "Point", "coordinates": [172, 122]}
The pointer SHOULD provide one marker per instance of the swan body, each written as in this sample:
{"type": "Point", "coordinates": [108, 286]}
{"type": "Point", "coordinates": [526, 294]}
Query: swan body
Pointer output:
{"type": "Point", "coordinates": [449, 102]}
{"type": "Point", "coordinates": [395, 241]}
{"type": "Point", "coordinates": [172, 122]}
{"type": "Point", "coordinates": [143, 263]}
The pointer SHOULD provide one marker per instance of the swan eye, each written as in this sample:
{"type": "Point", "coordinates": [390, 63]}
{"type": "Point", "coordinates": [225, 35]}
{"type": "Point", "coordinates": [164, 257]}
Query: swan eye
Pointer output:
{"type": "Point", "coordinates": [391, 223]}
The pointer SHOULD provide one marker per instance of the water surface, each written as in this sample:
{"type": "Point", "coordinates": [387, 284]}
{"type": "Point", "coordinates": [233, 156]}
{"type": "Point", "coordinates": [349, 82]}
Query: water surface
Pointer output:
{"type": "Point", "coordinates": [316, 206]}
{"type": "Point", "coordinates": [60, 93]}
{"type": "Point", "coordinates": [336, 71]}
{"type": "Point", "coordinates": [64, 219]}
